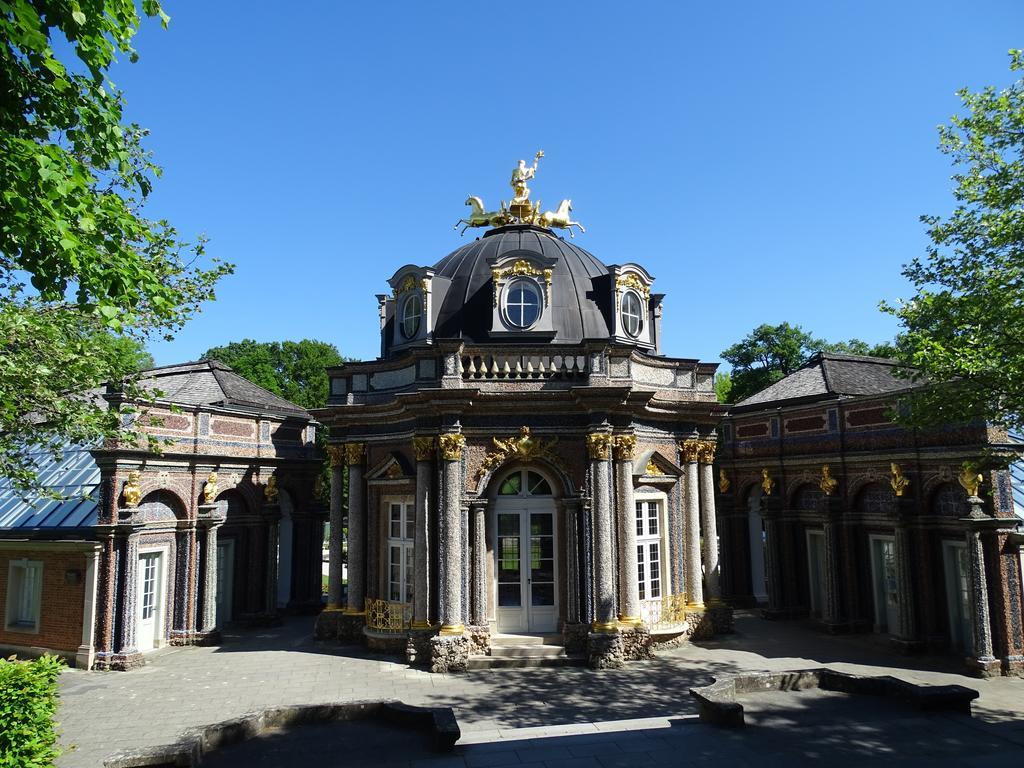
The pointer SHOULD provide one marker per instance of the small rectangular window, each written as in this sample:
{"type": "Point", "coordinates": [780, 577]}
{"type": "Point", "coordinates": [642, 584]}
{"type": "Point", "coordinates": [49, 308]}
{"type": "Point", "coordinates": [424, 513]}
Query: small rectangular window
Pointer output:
{"type": "Point", "coordinates": [24, 592]}
{"type": "Point", "coordinates": [401, 532]}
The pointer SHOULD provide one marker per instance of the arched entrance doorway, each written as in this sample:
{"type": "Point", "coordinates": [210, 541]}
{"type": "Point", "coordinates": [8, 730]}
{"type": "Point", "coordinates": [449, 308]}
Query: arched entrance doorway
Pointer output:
{"type": "Point", "coordinates": [526, 578]}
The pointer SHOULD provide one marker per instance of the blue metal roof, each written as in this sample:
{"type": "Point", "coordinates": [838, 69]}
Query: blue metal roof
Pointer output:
{"type": "Point", "coordinates": [74, 476]}
{"type": "Point", "coordinates": [1017, 479]}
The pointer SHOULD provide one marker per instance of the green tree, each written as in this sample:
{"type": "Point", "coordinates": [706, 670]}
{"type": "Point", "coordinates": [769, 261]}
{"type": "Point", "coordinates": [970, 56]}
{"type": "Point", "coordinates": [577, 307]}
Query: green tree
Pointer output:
{"type": "Point", "coordinates": [771, 352]}
{"type": "Point", "coordinates": [295, 370]}
{"type": "Point", "coordinates": [723, 386]}
{"type": "Point", "coordinates": [964, 328]}
{"type": "Point", "coordinates": [78, 259]}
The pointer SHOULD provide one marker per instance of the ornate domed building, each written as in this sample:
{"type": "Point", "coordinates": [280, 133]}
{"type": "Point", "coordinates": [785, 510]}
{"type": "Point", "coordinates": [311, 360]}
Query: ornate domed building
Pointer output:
{"type": "Point", "coordinates": [522, 459]}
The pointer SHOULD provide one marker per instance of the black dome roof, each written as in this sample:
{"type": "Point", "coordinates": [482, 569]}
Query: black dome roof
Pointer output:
{"type": "Point", "coordinates": [579, 285]}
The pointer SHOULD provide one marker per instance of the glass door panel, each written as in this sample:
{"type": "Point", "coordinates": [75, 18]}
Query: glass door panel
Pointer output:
{"type": "Point", "coordinates": [510, 589]}
{"type": "Point", "coordinates": [542, 559]}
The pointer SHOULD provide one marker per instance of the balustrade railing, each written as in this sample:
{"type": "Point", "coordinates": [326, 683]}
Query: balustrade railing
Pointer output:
{"type": "Point", "coordinates": [497, 365]}
{"type": "Point", "coordinates": [387, 616]}
{"type": "Point", "coordinates": [665, 613]}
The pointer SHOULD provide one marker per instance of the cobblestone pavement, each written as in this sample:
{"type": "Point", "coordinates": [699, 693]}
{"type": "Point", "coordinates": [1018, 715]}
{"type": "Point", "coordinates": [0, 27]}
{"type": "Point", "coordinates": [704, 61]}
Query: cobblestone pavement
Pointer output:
{"type": "Point", "coordinates": [546, 717]}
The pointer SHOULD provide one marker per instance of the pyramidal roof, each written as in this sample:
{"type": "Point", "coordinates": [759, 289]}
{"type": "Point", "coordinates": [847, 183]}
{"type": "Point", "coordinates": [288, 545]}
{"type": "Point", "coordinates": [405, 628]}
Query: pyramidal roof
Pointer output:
{"type": "Point", "coordinates": [211, 382]}
{"type": "Point", "coordinates": [830, 375]}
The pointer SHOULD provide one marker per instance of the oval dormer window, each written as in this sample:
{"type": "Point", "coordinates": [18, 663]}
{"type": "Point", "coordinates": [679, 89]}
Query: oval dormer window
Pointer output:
{"type": "Point", "coordinates": [412, 311]}
{"type": "Point", "coordinates": [522, 303]}
{"type": "Point", "coordinates": [632, 314]}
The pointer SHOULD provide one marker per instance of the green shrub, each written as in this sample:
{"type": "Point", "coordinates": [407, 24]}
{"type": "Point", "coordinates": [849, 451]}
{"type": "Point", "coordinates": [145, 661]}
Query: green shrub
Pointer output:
{"type": "Point", "coordinates": [28, 701]}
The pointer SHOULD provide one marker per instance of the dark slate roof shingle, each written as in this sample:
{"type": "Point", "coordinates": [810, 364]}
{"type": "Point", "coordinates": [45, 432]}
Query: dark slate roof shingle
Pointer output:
{"type": "Point", "coordinates": [829, 375]}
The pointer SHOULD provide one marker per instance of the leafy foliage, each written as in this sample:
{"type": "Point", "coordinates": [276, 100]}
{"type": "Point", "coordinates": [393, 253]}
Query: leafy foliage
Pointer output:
{"type": "Point", "coordinates": [28, 701]}
{"type": "Point", "coordinates": [295, 370]}
{"type": "Point", "coordinates": [723, 386]}
{"type": "Point", "coordinates": [78, 260]}
{"type": "Point", "coordinates": [963, 328]}
{"type": "Point", "coordinates": [772, 352]}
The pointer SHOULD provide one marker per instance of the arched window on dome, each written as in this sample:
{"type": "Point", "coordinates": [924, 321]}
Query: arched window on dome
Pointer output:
{"type": "Point", "coordinates": [522, 303]}
{"type": "Point", "coordinates": [632, 314]}
{"type": "Point", "coordinates": [412, 312]}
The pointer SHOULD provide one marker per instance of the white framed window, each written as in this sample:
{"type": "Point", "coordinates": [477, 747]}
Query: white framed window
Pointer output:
{"type": "Point", "coordinates": [24, 595]}
{"type": "Point", "coordinates": [412, 312]}
{"type": "Point", "coordinates": [522, 303]}
{"type": "Point", "coordinates": [649, 549]}
{"type": "Point", "coordinates": [401, 538]}
{"type": "Point", "coordinates": [632, 314]}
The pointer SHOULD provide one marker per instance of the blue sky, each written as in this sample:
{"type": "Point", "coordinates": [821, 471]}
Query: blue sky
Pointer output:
{"type": "Point", "coordinates": [765, 161]}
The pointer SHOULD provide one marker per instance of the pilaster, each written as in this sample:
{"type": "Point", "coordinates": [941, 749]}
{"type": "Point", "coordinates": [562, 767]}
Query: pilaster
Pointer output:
{"type": "Point", "coordinates": [690, 450]}
{"type": "Point", "coordinates": [424, 448]}
{"type": "Point", "coordinates": [624, 447]}
{"type": "Point", "coordinates": [599, 450]}
{"type": "Point", "coordinates": [355, 456]}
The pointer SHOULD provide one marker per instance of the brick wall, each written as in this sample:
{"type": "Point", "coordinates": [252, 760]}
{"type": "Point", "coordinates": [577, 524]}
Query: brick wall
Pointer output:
{"type": "Point", "coordinates": [60, 617]}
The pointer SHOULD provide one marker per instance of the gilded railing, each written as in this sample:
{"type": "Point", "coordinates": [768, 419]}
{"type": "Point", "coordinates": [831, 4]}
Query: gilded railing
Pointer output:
{"type": "Point", "coordinates": [664, 613]}
{"type": "Point", "coordinates": [385, 616]}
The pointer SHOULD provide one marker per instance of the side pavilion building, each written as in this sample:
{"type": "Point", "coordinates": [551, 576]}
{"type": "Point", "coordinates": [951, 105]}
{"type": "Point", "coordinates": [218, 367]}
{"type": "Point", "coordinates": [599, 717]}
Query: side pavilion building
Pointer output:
{"type": "Point", "coordinates": [522, 458]}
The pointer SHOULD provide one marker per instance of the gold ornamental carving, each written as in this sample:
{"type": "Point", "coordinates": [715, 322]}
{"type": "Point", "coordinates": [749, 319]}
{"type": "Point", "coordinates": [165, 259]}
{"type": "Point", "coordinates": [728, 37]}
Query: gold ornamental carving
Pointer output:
{"type": "Point", "coordinates": [624, 446]}
{"type": "Point", "coordinates": [521, 210]}
{"type": "Point", "coordinates": [451, 446]}
{"type": "Point", "coordinates": [970, 479]}
{"type": "Point", "coordinates": [270, 492]}
{"type": "Point", "coordinates": [210, 489]}
{"type": "Point", "coordinates": [767, 483]}
{"type": "Point", "coordinates": [521, 268]}
{"type": "Point", "coordinates": [631, 280]}
{"type": "Point", "coordinates": [652, 469]}
{"type": "Point", "coordinates": [132, 489]}
{"type": "Point", "coordinates": [423, 448]}
{"type": "Point", "coordinates": [723, 481]}
{"type": "Point", "coordinates": [897, 480]}
{"type": "Point", "coordinates": [598, 445]}
{"type": "Point", "coordinates": [408, 284]}
{"type": "Point", "coordinates": [706, 452]}
{"type": "Point", "coordinates": [393, 472]}
{"type": "Point", "coordinates": [524, 448]}
{"type": "Point", "coordinates": [354, 453]}
{"type": "Point", "coordinates": [828, 484]}
{"type": "Point", "coordinates": [691, 450]}
{"type": "Point", "coordinates": [336, 454]}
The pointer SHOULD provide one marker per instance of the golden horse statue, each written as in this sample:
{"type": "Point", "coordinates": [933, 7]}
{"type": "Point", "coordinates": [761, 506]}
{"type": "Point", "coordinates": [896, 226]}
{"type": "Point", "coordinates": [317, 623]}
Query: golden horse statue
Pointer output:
{"type": "Point", "coordinates": [478, 217]}
{"type": "Point", "coordinates": [560, 218]}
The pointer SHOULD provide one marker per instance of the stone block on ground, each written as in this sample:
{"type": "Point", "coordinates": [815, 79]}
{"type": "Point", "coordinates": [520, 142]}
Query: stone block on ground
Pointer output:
{"type": "Point", "coordinates": [605, 650]}
{"type": "Point", "coordinates": [636, 644]}
{"type": "Point", "coordinates": [449, 653]}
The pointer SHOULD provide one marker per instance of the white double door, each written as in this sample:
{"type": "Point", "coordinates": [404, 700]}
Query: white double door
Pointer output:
{"type": "Point", "coordinates": [149, 613]}
{"type": "Point", "coordinates": [525, 568]}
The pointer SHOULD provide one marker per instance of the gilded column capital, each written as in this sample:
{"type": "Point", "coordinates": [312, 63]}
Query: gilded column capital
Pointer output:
{"type": "Point", "coordinates": [354, 453]}
{"type": "Point", "coordinates": [706, 451]}
{"type": "Point", "coordinates": [423, 448]}
{"type": "Point", "coordinates": [336, 453]}
{"type": "Point", "coordinates": [691, 450]}
{"type": "Point", "coordinates": [598, 445]}
{"type": "Point", "coordinates": [451, 446]}
{"type": "Point", "coordinates": [625, 446]}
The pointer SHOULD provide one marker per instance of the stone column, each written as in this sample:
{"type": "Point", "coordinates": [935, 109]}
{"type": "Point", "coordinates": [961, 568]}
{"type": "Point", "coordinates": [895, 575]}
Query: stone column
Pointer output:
{"type": "Point", "coordinates": [209, 522]}
{"type": "Point", "coordinates": [906, 633]}
{"type": "Point", "coordinates": [832, 509]}
{"type": "Point", "coordinates": [598, 446]}
{"type": "Point", "coordinates": [478, 615]}
{"type": "Point", "coordinates": [423, 448]}
{"type": "Point", "coordinates": [183, 619]}
{"type": "Point", "coordinates": [770, 508]}
{"type": "Point", "coordinates": [572, 575]}
{"type": "Point", "coordinates": [983, 658]}
{"type": "Point", "coordinates": [126, 653]}
{"type": "Point", "coordinates": [337, 523]}
{"type": "Point", "coordinates": [272, 514]}
{"type": "Point", "coordinates": [629, 587]}
{"type": "Point", "coordinates": [706, 457]}
{"type": "Point", "coordinates": [451, 445]}
{"type": "Point", "coordinates": [691, 525]}
{"type": "Point", "coordinates": [354, 455]}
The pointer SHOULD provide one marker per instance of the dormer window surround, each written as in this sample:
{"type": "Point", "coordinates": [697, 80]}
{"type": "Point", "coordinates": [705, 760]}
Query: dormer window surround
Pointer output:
{"type": "Point", "coordinates": [521, 288]}
{"type": "Point", "coordinates": [632, 318]}
{"type": "Point", "coordinates": [410, 307]}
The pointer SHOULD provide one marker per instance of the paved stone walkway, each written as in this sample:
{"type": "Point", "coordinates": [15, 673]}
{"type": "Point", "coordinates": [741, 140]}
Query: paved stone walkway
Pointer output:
{"type": "Point", "coordinates": [552, 717]}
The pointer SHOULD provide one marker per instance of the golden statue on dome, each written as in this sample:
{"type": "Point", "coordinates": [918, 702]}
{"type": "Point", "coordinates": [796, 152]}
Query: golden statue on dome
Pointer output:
{"type": "Point", "coordinates": [521, 210]}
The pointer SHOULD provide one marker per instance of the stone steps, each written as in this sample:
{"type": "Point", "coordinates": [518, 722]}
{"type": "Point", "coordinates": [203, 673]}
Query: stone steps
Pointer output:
{"type": "Point", "coordinates": [524, 652]}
